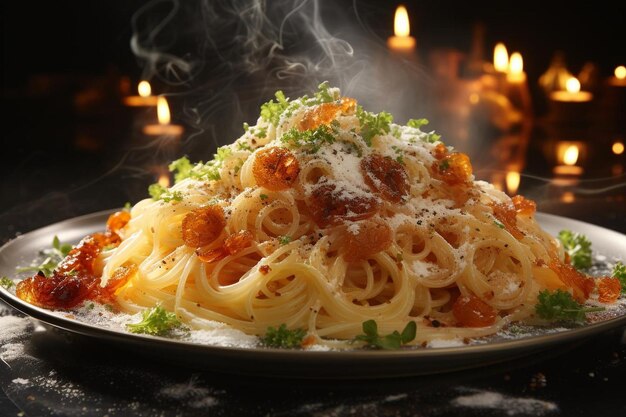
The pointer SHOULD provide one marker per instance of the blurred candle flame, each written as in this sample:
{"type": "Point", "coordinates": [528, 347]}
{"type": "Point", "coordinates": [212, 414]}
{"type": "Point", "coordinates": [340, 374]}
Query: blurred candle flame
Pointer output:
{"type": "Point", "coordinates": [572, 85]}
{"type": "Point", "coordinates": [500, 58]}
{"type": "Point", "coordinates": [401, 26]}
{"type": "Point", "coordinates": [617, 148]}
{"type": "Point", "coordinates": [516, 64]}
{"type": "Point", "coordinates": [620, 72]}
{"type": "Point", "coordinates": [144, 89]}
{"type": "Point", "coordinates": [164, 180]}
{"type": "Point", "coordinates": [571, 155]}
{"type": "Point", "coordinates": [512, 182]}
{"type": "Point", "coordinates": [163, 111]}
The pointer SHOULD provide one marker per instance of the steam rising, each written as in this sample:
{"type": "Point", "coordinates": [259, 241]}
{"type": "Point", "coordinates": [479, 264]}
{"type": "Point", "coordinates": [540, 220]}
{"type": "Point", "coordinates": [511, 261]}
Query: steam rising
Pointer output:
{"type": "Point", "coordinates": [222, 59]}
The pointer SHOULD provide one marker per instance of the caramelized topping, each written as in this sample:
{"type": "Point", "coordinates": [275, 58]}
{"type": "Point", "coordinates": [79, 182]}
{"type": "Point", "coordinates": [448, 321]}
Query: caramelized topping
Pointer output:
{"type": "Point", "coordinates": [117, 221]}
{"type": "Point", "coordinates": [385, 176]}
{"type": "Point", "coordinates": [440, 151]}
{"type": "Point", "coordinates": [74, 279]}
{"type": "Point", "coordinates": [609, 289]}
{"type": "Point", "coordinates": [331, 206]}
{"type": "Point", "coordinates": [202, 226]}
{"type": "Point", "coordinates": [232, 245]}
{"type": "Point", "coordinates": [524, 206]}
{"type": "Point", "coordinates": [370, 238]}
{"type": "Point", "coordinates": [471, 311]}
{"type": "Point", "coordinates": [506, 214]}
{"type": "Point", "coordinates": [453, 169]}
{"type": "Point", "coordinates": [325, 113]}
{"type": "Point", "coordinates": [581, 284]}
{"type": "Point", "coordinates": [275, 168]}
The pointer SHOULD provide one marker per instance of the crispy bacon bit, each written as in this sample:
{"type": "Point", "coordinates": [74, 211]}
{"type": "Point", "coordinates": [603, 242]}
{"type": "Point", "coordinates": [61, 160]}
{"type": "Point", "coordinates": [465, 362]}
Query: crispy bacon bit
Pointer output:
{"type": "Point", "coordinates": [506, 214]}
{"type": "Point", "coordinates": [453, 169]}
{"type": "Point", "coordinates": [326, 113]}
{"type": "Point", "coordinates": [275, 168]}
{"type": "Point", "coordinates": [385, 176]}
{"type": "Point", "coordinates": [440, 151]}
{"type": "Point", "coordinates": [264, 269]}
{"type": "Point", "coordinates": [524, 206]}
{"type": "Point", "coordinates": [331, 206]}
{"type": "Point", "coordinates": [471, 311]}
{"type": "Point", "coordinates": [238, 242]}
{"type": "Point", "coordinates": [232, 245]}
{"type": "Point", "coordinates": [609, 289]}
{"type": "Point", "coordinates": [371, 238]}
{"type": "Point", "coordinates": [581, 284]}
{"type": "Point", "coordinates": [118, 279]}
{"type": "Point", "coordinates": [117, 221]}
{"type": "Point", "coordinates": [74, 279]}
{"type": "Point", "coordinates": [61, 290]}
{"type": "Point", "coordinates": [202, 226]}
{"type": "Point", "coordinates": [212, 255]}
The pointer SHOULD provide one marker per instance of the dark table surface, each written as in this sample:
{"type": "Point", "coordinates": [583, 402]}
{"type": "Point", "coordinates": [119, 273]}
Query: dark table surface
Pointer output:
{"type": "Point", "coordinates": [47, 372]}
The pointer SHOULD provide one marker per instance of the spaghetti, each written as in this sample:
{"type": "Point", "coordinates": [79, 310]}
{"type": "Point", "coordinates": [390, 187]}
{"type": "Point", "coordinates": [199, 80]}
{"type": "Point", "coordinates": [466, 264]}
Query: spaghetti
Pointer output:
{"type": "Point", "coordinates": [323, 216]}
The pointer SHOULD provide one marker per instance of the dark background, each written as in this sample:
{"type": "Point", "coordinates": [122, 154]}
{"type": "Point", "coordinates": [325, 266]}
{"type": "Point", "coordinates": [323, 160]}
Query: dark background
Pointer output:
{"type": "Point", "coordinates": [69, 146]}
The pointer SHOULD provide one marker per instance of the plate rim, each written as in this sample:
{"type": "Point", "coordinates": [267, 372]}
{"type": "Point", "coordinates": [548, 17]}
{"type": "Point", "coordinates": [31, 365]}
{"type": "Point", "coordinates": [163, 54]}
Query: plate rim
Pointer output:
{"type": "Point", "coordinates": [512, 345]}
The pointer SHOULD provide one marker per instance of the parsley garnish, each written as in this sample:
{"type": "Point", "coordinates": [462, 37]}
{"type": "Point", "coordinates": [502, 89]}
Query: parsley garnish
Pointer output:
{"type": "Point", "coordinates": [432, 137]}
{"type": "Point", "coordinates": [158, 192]}
{"type": "Point", "coordinates": [155, 321]}
{"type": "Point", "coordinates": [578, 247]}
{"type": "Point", "coordinates": [560, 306]}
{"type": "Point", "coordinates": [271, 111]}
{"type": "Point", "coordinates": [284, 239]}
{"type": "Point", "coordinates": [373, 124]}
{"type": "Point", "coordinates": [127, 206]}
{"type": "Point", "coordinates": [263, 196]}
{"type": "Point", "coordinates": [444, 165]}
{"type": "Point", "coordinates": [282, 337]}
{"type": "Point", "coordinates": [243, 146]}
{"type": "Point", "coordinates": [391, 341]}
{"type": "Point", "coordinates": [312, 139]}
{"type": "Point", "coordinates": [54, 256]}
{"type": "Point", "coordinates": [6, 282]}
{"type": "Point", "coordinates": [417, 123]}
{"type": "Point", "coordinates": [619, 272]}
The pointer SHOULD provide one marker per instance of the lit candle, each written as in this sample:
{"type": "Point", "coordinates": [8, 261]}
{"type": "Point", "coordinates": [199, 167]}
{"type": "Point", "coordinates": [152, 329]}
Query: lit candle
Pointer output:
{"type": "Point", "coordinates": [402, 43]}
{"type": "Point", "coordinates": [567, 155]}
{"type": "Point", "coordinates": [500, 58]}
{"type": "Point", "coordinates": [571, 106]}
{"type": "Point", "coordinates": [164, 127]}
{"type": "Point", "coordinates": [517, 87]}
{"type": "Point", "coordinates": [572, 92]}
{"type": "Point", "coordinates": [619, 77]}
{"type": "Point", "coordinates": [145, 97]}
{"type": "Point", "coordinates": [512, 182]}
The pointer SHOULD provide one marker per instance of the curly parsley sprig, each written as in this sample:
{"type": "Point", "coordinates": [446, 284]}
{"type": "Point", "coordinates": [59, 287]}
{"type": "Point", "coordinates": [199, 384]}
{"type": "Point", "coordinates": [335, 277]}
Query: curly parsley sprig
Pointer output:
{"type": "Point", "coordinates": [578, 247]}
{"type": "Point", "coordinates": [156, 321]}
{"type": "Point", "coordinates": [282, 337]}
{"type": "Point", "coordinates": [560, 306]}
{"type": "Point", "coordinates": [619, 272]}
{"type": "Point", "coordinates": [391, 341]}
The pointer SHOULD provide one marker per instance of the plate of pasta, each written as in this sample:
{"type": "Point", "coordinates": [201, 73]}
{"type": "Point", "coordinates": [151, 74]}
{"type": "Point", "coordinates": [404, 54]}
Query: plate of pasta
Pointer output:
{"type": "Point", "coordinates": [324, 238]}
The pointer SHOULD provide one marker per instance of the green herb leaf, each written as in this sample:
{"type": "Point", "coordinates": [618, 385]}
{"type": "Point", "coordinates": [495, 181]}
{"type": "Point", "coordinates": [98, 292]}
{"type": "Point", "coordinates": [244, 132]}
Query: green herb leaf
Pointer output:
{"type": "Point", "coordinates": [499, 224]}
{"type": "Point", "coordinates": [417, 123]}
{"type": "Point", "coordinates": [271, 111]}
{"type": "Point", "coordinates": [391, 341]}
{"type": "Point", "coordinates": [311, 139]}
{"type": "Point", "coordinates": [578, 247]}
{"type": "Point", "coordinates": [444, 165]}
{"type": "Point", "coordinates": [282, 337]}
{"type": "Point", "coordinates": [263, 196]}
{"type": "Point", "coordinates": [619, 272]}
{"type": "Point", "coordinates": [158, 192]}
{"type": "Point", "coordinates": [6, 282]}
{"type": "Point", "coordinates": [53, 256]}
{"type": "Point", "coordinates": [127, 206]}
{"type": "Point", "coordinates": [373, 124]}
{"type": "Point", "coordinates": [155, 321]}
{"type": "Point", "coordinates": [560, 306]}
